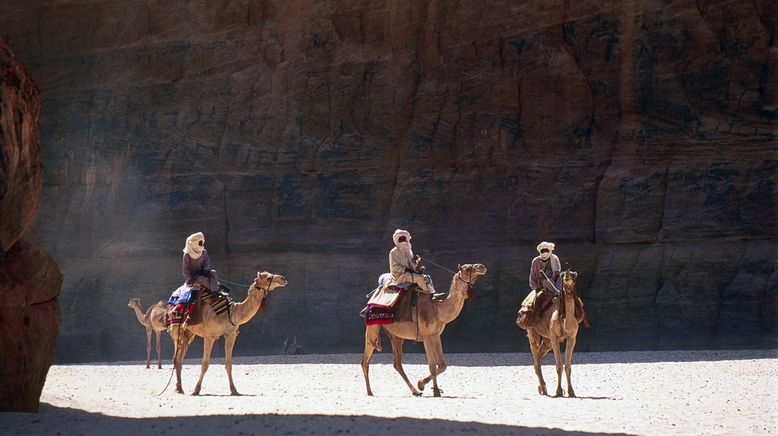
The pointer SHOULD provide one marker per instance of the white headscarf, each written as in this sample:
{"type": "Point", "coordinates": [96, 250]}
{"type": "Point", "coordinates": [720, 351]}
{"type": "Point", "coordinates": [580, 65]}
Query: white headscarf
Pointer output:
{"type": "Point", "coordinates": [545, 246]}
{"type": "Point", "coordinates": [404, 247]}
{"type": "Point", "coordinates": [193, 247]}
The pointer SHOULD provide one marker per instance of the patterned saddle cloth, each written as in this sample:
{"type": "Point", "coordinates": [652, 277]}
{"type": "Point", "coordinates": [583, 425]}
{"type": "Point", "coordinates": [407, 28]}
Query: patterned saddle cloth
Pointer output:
{"type": "Point", "coordinates": [183, 305]}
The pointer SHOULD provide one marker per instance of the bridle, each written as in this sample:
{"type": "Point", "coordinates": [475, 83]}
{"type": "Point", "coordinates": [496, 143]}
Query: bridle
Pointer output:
{"type": "Point", "coordinates": [259, 288]}
{"type": "Point", "coordinates": [469, 283]}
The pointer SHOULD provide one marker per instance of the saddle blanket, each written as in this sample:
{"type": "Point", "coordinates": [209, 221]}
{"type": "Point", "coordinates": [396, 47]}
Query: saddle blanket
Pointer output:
{"type": "Point", "coordinates": [183, 304]}
{"type": "Point", "coordinates": [400, 311]}
{"type": "Point", "coordinates": [178, 314]}
{"type": "Point", "coordinates": [385, 296]}
{"type": "Point", "coordinates": [220, 302]}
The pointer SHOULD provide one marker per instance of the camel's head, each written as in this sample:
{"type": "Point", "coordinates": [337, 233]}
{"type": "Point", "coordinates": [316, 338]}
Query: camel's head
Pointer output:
{"type": "Point", "coordinates": [269, 281]}
{"type": "Point", "coordinates": [568, 279]}
{"type": "Point", "coordinates": [133, 302]}
{"type": "Point", "coordinates": [470, 272]}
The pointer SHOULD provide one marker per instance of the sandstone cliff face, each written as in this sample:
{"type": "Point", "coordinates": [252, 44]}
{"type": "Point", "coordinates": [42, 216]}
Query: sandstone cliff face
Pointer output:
{"type": "Point", "coordinates": [29, 278]}
{"type": "Point", "coordinates": [639, 136]}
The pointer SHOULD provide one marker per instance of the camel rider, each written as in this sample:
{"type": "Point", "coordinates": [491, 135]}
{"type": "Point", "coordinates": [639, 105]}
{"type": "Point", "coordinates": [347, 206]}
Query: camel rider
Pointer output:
{"type": "Point", "coordinates": [404, 265]}
{"type": "Point", "coordinates": [544, 278]}
{"type": "Point", "coordinates": [196, 265]}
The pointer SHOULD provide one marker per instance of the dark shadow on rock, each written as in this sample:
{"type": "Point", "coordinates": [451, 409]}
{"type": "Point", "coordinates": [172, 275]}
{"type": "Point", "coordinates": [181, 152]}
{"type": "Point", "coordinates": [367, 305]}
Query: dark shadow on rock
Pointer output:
{"type": "Point", "coordinates": [75, 421]}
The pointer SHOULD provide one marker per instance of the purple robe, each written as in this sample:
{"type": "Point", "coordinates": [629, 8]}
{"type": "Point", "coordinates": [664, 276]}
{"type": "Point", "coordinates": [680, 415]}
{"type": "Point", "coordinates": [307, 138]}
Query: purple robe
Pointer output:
{"type": "Point", "coordinates": [199, 271]}
{"type": "Point", "coordinates": [551, 267]}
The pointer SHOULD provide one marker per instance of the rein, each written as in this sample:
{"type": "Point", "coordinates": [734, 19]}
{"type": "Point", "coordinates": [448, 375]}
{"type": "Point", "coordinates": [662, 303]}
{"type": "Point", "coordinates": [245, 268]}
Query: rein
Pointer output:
{"type": "Point", "coordinates": [456, 274]}
{"type": "Point", "coordinates": [233, 283]}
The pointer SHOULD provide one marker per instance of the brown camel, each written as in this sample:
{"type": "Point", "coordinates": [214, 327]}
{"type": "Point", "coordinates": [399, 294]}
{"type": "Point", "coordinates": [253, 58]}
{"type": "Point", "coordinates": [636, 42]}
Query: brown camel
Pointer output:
{"type": "Point", "coordinates": [213, 326]}
{"type": "Point", "coordinates": [153, 320]}
{"type": "Point", "coordinates": [556, 325]}
{"type": "Point", "coordinates": [430, 318]}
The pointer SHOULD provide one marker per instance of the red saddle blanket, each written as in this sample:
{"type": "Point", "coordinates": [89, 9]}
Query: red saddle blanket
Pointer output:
{"type": "Point", "coordinates": [399, 311]}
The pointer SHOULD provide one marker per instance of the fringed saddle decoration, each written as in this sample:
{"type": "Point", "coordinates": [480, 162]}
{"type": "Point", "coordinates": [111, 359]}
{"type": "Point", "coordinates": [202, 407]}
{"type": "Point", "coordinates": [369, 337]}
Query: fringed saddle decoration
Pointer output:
{"type": "Point", "coordinates": [183, 304]}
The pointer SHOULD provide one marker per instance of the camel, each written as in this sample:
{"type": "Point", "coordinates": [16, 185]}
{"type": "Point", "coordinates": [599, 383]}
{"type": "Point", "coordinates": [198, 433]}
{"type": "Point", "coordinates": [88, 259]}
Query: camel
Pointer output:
{"type": "Point", "coordinates": [431, 319]}
{"type": "Point", "coordinates": [556, 324]}
{"type": "Point", "coordinates": [213, 326]}
{"type": "Point", "coordinates": [153, 320]}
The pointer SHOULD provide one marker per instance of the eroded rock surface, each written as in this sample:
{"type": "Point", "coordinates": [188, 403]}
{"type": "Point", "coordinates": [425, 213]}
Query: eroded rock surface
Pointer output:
{"type": "Point", "coordinates": [29, 278]}
{"type": "Point", "coordinates": [639, 136]}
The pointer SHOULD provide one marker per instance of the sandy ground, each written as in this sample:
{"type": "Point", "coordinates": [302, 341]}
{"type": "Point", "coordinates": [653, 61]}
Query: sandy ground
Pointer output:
{"type": "Point", "coordinates": [680, 392]}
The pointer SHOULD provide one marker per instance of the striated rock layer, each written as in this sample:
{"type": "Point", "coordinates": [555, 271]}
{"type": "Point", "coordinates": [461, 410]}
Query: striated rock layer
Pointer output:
{"type": "Point", "coordinates": [640, 136]}
{"type": "Point", "coordinates": [29, 278]}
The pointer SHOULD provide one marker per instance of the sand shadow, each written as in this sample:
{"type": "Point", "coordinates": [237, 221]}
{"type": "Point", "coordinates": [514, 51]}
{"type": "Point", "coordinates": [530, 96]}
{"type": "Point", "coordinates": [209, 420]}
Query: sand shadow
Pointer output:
{"type": "Point", "coordinates": [522, 358]}
{"type": "Point", "coordinates": [75, 421]}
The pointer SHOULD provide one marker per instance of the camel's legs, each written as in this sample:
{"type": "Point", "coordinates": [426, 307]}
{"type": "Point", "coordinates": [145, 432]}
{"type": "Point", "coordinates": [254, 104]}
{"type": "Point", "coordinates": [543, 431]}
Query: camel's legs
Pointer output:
{"type": "Point", "coordinates": [207, 348]}
{"type": "Point", "coordinates": [159, 350]}
{"type": "Point", "coordinates": [569, 364]}
{"type": "Point", "coordinates": [182, 340]}
{"type": "Point", "coordinates": [372, 336]}
{"type": "Point", "coordinates": [397, 358]}
{"type": "Point", "coordinates": [148, 347]}
{"type": "Point", "coordinates": [536, 347]}
{"type": "Point", "coordinates": [229, 344]}
{"type": "Point", "coordinates": [558, 360]}
{"type": "Point", "coordinates": [437, 363]}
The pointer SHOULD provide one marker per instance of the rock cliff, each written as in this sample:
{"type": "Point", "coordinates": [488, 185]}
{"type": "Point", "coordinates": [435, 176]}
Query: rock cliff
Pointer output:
{"type": "Point", "coordinates": [29, 278]}
{"type": "Point", "coordinates": [641, 137]}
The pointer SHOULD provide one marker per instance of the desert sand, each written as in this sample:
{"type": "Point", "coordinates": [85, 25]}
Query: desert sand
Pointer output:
{"type": "Point", "coordinates": [672, 392]}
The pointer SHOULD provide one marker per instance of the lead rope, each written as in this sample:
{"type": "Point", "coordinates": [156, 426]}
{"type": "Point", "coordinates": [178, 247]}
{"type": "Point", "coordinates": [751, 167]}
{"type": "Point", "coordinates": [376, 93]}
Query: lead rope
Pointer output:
{"type": "Point", "coordinates": [178, 345]}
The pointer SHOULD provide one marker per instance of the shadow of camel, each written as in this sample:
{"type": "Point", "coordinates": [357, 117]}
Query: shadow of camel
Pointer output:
{"type": "Point", "coordinates": [75, 421]}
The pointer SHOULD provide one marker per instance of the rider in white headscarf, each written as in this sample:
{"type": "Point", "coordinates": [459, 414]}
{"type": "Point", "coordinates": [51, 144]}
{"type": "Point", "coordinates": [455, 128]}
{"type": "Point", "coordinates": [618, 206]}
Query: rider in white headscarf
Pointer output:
{"type": "Point", "coordinates": [196, 265]}
{"type": "Point", "coordinates": [403, 264]}
{"type": "Point", "coordinates": [544, 280]}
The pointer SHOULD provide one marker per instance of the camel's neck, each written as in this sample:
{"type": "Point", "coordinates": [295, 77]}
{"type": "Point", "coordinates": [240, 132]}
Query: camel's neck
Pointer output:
{"type": "Point", "coordinates": [449, 309]}
{"type": "Point", "coordinates": [570, 297]}
{"type": "Point", "coordinates": [243, 311]}
{"type": "Point", "coordinates": [141, 316]}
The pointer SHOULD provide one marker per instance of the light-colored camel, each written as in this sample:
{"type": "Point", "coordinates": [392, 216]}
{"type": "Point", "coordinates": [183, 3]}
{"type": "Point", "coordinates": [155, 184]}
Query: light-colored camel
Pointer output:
{"type": "Point", "coordinates": [430, 318]}
{"type": "Point", "coordinates": [557, 324]}
{"type": "Point", "coordinates": [154, 321]}
{"type": "Point", "coordinates": [213, 326]}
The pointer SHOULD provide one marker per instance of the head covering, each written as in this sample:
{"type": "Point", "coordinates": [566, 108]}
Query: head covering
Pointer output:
{"type": "Point", "coordinates": [401, 232]}
{"type": "Point", "coordinates": [545, 246]}
{"type": "Point", "coordinates": [404, 247]}
{"type": "Point", "coordinates": [192, 247]}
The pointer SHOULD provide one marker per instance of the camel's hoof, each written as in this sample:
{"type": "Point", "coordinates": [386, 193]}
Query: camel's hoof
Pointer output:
{"type": "Point", "coordinates": [571, 394]}
{"type": "Point", "coordinates": [234, 393]}
{"type": "Point", "coordinates": [542, 390]}
{"type": "Point", "coordinates": [416, 393]}
{"type": "Point", "coordinates": [437, 392]}
{"type": "Point", "coordinates": [369, 394]}
{"type": "Point", "coordinates": [559, 393]}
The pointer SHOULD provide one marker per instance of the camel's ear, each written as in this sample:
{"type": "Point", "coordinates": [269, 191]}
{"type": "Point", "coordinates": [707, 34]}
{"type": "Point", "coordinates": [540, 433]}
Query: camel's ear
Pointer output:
{"type": "Point", "coordinates": [459, 267]}
{"type": "Point", "coordinates": [258, 273]}
{"type": "Point", "coordinates": [575, 274]}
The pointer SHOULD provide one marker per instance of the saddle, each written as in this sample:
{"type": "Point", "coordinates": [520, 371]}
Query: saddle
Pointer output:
{"type": "Point", "coordinates": [528, 317]}
{"type": "Point", "coordinates": [184, 305]}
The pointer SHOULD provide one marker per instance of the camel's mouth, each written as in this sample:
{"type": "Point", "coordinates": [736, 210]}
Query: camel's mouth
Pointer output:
{"type": "Point", "coordinates": [479, 269]}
